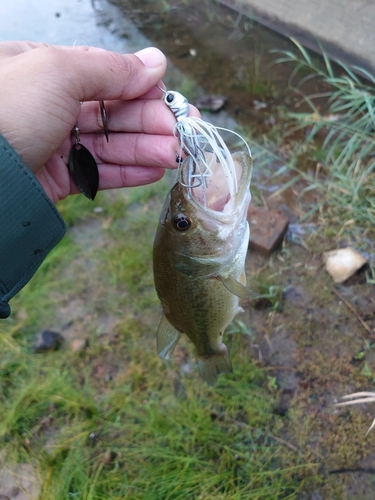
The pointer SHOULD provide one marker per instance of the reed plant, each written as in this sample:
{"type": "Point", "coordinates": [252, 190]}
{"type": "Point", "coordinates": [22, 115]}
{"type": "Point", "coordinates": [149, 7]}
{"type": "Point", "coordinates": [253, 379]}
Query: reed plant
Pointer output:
{"type": "Point", "coordinates": [339, 124]}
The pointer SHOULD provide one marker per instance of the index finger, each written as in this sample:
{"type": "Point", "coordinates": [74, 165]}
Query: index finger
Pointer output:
{"type": "Point", "coordinates": [149, 116]}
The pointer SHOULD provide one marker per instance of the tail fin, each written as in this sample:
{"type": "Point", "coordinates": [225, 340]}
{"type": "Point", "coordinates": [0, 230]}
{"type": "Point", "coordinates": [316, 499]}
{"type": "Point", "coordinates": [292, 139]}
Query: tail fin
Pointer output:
{"type": "Point", "coordinates": [210, 368]}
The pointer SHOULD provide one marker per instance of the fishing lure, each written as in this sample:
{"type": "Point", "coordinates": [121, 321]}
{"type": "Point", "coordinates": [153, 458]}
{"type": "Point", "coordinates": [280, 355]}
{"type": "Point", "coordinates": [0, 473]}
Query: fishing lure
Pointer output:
{"type": "Point", "coordinates": [82, 165]}
{"type": "Point", "coordinates": [195, 138]}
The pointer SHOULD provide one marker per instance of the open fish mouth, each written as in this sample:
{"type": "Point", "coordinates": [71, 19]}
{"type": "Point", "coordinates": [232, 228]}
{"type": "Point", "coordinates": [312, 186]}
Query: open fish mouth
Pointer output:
{"type": "Point", "coordinates": [210, 173]}
{"type": "Point", "coordinates": [212, 184]}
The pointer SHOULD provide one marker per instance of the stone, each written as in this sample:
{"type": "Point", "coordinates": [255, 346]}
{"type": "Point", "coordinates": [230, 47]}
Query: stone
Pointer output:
{"type": "Point", "coordinates": [19, 482]}
{"type": "Point", "coordinates": [212, 103]}
{"type": "Point", "coordinates": [342, 263]}
{"type": "Point", "coordinates": [78, 345]}
{"type": "Point", "coordinates": [267, 229]}
{"type": "Point", "coordinates": [48, 340]}
{"type": "Point", "coordinates": [259, 104]}
{"type": "Point", "coordinates": [109, 457]}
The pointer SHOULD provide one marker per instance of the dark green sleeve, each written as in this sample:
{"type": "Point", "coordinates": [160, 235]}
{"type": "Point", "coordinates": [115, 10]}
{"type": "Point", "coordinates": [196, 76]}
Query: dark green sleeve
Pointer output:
{"type": "Point", "coordinates": [30, 225]}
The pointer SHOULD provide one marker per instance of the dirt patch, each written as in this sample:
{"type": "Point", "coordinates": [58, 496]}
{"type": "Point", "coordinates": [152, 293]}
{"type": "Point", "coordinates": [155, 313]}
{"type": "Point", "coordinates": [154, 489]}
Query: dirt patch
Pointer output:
{"type": "Point", "coordinates": [317, 351]}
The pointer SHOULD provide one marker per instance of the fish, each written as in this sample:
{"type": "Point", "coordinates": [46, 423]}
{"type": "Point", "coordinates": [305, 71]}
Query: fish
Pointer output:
{"type": "Point", "coordinates": [199, 253]}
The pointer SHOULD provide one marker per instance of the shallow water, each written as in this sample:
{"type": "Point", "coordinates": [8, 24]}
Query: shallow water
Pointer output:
{"type": "Point", "coordinates": [61, 22]}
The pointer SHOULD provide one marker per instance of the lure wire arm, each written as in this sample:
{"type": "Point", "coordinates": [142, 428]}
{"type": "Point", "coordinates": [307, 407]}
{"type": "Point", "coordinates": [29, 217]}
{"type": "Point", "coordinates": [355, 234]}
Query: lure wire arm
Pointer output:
{"type": "Point", "coordinates": [77, 134]}
{"type": "Point", "coordinates": [103, 113]}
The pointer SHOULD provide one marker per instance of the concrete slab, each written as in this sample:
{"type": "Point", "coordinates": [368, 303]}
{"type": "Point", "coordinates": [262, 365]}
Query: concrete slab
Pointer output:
{"type": "Point", "coordinates": [345, 28]}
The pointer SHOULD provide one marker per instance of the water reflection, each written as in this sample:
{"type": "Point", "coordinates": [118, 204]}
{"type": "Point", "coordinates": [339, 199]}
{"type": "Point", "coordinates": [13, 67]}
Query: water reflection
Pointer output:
{"type": "Point", "coordinates": [61, 22]}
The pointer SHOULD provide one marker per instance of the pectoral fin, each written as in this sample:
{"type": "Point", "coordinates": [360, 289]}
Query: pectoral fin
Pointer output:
{"type": "Point", "coordinates": [167, 338]}
{"type": "Point", "coordinates": [237, 288]}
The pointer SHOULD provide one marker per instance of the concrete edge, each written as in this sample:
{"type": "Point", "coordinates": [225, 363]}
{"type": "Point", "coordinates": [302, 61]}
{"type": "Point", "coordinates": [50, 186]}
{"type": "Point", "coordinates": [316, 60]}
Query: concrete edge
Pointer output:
{"type": "Point", "coordinates": [304, 37]}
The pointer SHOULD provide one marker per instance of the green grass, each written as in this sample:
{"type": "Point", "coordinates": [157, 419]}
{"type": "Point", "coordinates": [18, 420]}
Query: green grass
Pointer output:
{"type": "Point", "coordinates": [163, 446]}
{"type": "Point", "coordinates": [114, 421]}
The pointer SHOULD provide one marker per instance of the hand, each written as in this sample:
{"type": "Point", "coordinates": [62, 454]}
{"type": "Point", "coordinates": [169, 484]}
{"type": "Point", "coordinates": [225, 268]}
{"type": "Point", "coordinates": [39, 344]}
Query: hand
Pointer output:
{"type": "Point", "coordinates": [42, 88]}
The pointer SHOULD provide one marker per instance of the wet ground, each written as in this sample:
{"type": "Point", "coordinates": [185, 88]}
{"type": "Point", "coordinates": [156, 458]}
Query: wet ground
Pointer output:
{"type": "Point", "coordinates": [309, 333]}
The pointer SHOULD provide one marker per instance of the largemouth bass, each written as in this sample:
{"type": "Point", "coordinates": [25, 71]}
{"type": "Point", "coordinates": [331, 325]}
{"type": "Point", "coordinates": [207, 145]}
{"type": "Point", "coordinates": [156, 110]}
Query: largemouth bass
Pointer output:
{"type": "Point", "coordinates": [199, 262]}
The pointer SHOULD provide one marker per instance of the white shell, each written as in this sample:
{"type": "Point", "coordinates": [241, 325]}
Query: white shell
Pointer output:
{"type": "Point", "coordinates": [343, 263]}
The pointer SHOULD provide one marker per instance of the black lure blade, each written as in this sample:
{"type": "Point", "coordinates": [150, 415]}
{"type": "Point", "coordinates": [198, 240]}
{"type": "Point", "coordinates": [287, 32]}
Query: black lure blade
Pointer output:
{"type": "Point", "coordinates": [84, 170]}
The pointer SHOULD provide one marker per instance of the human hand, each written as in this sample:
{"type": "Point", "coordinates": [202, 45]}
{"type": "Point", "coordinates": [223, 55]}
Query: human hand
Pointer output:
{"type": "Point", "coordinates": [42, 88]}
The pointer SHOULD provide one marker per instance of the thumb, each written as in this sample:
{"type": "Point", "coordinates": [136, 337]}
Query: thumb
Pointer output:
{"type": "Point", "coordinates": [104, 75]}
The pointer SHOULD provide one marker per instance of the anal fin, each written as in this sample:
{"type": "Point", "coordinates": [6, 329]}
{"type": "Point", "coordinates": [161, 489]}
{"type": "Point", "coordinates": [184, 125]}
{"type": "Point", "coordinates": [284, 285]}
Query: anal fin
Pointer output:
{"type": "Point", "coordinates": [167, 338]}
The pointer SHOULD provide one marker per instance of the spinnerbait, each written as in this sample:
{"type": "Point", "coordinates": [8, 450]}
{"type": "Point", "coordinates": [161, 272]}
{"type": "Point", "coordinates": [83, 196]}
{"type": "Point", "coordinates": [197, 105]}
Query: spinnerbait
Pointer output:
{"type": "Point", "coordinates": [197, 137]}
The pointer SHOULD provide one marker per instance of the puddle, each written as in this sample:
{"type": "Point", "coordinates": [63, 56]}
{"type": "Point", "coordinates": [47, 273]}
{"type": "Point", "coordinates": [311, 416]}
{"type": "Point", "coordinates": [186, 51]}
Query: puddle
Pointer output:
{"type": "Point", "coordinates": [63, 22]}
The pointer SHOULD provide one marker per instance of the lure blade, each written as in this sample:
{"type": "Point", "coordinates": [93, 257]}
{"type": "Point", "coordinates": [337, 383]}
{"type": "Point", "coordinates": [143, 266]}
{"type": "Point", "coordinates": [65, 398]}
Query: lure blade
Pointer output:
{"type": "Point", "coordinates": [84, 170]}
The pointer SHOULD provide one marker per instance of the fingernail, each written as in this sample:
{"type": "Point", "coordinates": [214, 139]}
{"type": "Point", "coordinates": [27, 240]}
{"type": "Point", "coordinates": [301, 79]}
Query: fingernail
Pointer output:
{"type": "Point", "coordinates": [151, 57]}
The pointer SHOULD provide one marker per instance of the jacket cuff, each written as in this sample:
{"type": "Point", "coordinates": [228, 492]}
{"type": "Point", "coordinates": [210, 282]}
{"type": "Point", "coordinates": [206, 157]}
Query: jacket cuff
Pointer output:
{"type": "Point", "coordinates": [30, 225]}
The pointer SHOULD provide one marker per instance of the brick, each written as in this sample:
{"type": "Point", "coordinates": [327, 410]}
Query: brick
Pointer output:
{"type": "Point", "coordinates": [267, 229]}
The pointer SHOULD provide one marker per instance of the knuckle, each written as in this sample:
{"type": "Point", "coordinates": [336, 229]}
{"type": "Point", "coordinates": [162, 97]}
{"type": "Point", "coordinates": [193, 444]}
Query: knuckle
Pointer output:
{"type": "Point", "coordinates": [127, 65]}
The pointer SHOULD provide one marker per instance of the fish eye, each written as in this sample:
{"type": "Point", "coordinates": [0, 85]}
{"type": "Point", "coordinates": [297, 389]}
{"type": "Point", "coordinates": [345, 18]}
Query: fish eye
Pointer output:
{"type": "Point", "coordinates": [181, 222]}
{"type": "Point", "coordinates": [169, 97]}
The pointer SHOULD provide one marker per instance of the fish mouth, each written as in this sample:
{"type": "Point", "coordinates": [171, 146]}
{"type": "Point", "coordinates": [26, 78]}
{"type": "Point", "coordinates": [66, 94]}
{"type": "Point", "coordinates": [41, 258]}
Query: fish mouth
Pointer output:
{"type": "Point", "coordinates": [218, 189]}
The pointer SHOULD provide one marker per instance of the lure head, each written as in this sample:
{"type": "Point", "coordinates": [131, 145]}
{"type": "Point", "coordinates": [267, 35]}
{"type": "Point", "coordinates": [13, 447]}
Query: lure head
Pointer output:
{"type": "Point", "coordinates": [177, 103]}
